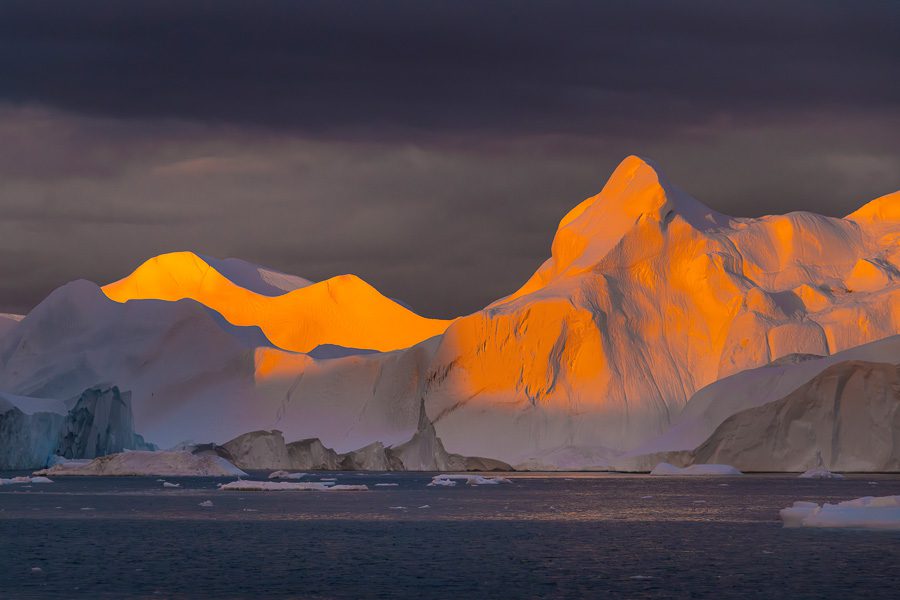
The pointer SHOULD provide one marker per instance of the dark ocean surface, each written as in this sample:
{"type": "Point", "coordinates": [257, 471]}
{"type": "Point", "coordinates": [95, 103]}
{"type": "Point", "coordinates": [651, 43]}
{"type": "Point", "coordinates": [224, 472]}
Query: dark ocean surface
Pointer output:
{"type": "Point", "coordinates": [543, 536]}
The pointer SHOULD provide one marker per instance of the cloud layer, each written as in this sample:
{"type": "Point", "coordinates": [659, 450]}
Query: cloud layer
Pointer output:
{"type": "Point", "coordinates": [428, 147]}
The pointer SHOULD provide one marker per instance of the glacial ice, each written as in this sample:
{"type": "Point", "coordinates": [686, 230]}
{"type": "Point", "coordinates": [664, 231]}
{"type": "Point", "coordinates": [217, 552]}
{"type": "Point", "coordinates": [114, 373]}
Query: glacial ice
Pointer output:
{"type": "Point", "coordinates": [647, 296]}
{"type": "Point", "coordinates": [666, 469]}
{"type": "Point", "coordinates": [870, 512]}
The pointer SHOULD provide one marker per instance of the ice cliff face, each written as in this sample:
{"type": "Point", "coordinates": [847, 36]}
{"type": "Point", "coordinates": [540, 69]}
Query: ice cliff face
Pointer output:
{"type": "Point", "coordinates": [850, 412]}
{"type": "Point", "coordinates": [648, 296]}
{"type": "Point", "coordinates": [99, 423]}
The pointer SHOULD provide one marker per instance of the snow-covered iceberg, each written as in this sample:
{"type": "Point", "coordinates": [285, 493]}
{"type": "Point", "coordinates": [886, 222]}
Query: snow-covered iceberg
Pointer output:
{"type": "Point", "coordinates": [878, 512]}
{"type": "Point", "coordinates": [664, 468]}
{"type": "Point", "coordinates": [145, 463]}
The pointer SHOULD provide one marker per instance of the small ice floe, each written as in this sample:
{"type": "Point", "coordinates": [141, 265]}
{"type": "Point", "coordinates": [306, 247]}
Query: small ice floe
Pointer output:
{"type": "Point", "coordinates": [425, 506]}
{"type": "Point", "coordinates": [872, 482]}
{"type": "Point", "coordinates": [450, 480]}
{"type": "Point", "coordinates": [880, 512]}
{"type": "Point", "coordinates": [24, 480]}
{"type": "Point", "coordinates": [36, 570]}
{"type": "Point", "coordinates": [666, 469]}
{"type": "Point", "coordinates": [386, 484]}
{"type": "Point", "coordinates": [646, 497]}
{"type": "Point", "coordinates": [641, 577]}
{"type": "Point", "coordinates": [397, 507]}
{"type": "Point", "coordinates": [722, 485]}
{"type": "Point", "coordinates": [699, 502]}
{"type": "Point", "coordinates": [206, 504]}
{"type": "Point", "coordinates": [88, 508]}
{"type": "Point", "coordinates": [286, 475]}
{"type": "Point", "coordinates": [288, 486]}
{"type": "Point", "coordinates": [820, 471]}
{"type": "Point", "coordinates": [167, 484]}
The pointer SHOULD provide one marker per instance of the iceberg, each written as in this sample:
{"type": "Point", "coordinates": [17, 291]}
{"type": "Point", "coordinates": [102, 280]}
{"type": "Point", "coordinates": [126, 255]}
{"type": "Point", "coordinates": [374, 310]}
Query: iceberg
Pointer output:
{"type": "Point", "coordinates": [820, 471]}
{"type": "Point", "coordinates": [450, 480]}
{"type": "Point", "coordinates": [287, 486]}
{"type": "Point", "coordinates": [870, 512]}
{"type": "Point", "coordinates": [666, 469]}
{"type": "Point", "coordinates": [147, 463]}
{"type": "Point", "coordinates": [24, 479]}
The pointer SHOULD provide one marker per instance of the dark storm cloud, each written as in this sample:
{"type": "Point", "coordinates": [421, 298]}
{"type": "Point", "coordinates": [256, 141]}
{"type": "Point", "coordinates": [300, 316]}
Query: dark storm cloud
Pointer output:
{"type": "Point", "coordinates": [429, 147]}
{"type": "Point", "coordinates": [407, 68]}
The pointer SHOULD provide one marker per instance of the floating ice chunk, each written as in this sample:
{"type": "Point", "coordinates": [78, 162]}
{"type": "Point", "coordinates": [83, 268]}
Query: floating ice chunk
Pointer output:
{"type": "Point", "coordinates": [88, 508]}
{"type": "Point", "coordinates": [206, 504]}
{"type": "Point", "coordinates": [646, 497]}
{"type": "Point", "coordinates": [386, 484]}
{"type": "Point", "coordinates": [24, 479]}
{"type": "Point", "coordinates": [286, 475]}
{"type": "Point", "coordinates": [444, 482]}
{"type": "Point", "coordinates": [708, 470]}
{"type": "Point", "coordinates": [820, 471]}
{"type": "Point", "coordinates": [36, 570]}
{"type": "Point", "coordinates": [397, 507]}
{"type": "Point", "coordinates": [879, 512]}
{"type": "Point", "coordinates": [285, 486]}
{"type": "Point", "coordinates": [166, 484]}
{"type": "Point", "coordinates": [450, 480]}
{"type": "Point", "coordinates": [425, 506]}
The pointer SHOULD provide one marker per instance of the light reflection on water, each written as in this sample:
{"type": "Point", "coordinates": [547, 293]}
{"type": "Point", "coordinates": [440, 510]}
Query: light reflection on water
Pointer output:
{"type": "Point", "coordinates": [553, 535]}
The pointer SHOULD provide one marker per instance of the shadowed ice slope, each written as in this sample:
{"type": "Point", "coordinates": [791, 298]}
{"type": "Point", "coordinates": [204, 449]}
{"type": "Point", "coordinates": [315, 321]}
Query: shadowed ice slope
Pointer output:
{"type": "Point", "coordinates": [343, 311]}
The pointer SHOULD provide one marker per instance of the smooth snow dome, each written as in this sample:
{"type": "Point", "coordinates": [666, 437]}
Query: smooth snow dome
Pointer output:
{"type": "Point", "coordinates": [880, 512]}
{"type": "Point", "coordinates": [162, 464]}
{"type": "Point", "coordinates": [666, 469]}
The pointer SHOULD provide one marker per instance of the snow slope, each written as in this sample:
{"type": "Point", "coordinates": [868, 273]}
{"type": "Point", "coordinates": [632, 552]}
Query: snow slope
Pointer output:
{"type": "Point", "coordinates": [342, 311]}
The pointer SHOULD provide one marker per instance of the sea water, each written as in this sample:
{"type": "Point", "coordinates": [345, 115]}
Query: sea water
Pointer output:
{"type": "Point", "coordinates": [561, 535]}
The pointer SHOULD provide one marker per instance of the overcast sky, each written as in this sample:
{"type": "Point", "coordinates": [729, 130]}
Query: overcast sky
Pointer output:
{"type": "Point", "coordinates": [429, 147]}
